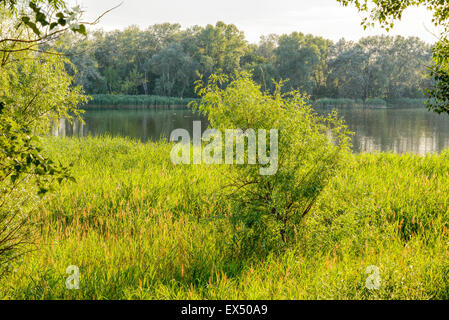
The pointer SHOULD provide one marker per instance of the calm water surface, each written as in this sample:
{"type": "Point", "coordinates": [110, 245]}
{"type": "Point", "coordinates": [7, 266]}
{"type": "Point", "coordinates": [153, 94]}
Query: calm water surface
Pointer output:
{"type": "Point", "coordinates": [398, 130]}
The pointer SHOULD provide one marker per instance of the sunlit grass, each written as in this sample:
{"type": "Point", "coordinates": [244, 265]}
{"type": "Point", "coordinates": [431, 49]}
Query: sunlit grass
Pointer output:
{"type": "Point", "coordinates": [141, 228]}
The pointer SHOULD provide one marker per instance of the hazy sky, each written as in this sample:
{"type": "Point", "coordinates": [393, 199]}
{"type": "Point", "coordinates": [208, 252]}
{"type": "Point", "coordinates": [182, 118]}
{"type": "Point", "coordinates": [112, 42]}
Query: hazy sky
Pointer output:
{"type": "Point", "coordinates": [325, 18]}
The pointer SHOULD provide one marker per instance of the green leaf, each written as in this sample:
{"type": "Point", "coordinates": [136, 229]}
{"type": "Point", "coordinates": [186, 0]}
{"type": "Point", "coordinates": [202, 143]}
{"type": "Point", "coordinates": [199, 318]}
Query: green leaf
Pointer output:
{"type": "Point", "coordinates": [33, 27]}
{"type": "Point", "coordinates": [41, 18]}
{"type": "Point", "coordinates": [82, 30]}
{"type": "Point", "coordinates": [62, 21]}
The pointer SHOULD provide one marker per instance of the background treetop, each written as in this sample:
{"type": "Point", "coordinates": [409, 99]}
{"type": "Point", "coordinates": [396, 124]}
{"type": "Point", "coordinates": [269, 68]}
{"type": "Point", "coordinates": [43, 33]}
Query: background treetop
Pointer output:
{"type": "Point", "coordinates": [386, 12]}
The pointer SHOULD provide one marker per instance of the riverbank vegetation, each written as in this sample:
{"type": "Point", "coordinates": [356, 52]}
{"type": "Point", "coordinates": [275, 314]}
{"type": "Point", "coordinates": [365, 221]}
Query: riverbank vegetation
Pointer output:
{"type": "Point", "coordinates": [137, 101]}
{"type": "Point", "coordinates": [369, 103]}
{"type": "Point", "coordinates": [141, 228]}
{"type": "Point", "coordinates": [102, 101]}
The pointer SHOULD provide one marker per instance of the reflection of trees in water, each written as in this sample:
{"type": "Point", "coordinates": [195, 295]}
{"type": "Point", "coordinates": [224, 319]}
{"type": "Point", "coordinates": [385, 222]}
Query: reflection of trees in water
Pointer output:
{"type": "Point", "coordinates": [397, 130]}
{"type": "Point", "coordinates": [141, 124]}
{"type": "Point", "coordinates": [400, 131]}
{"type": "Point", "coordinates": [59, 129]}
{"type": "Point", "coordinates": [65, 128]}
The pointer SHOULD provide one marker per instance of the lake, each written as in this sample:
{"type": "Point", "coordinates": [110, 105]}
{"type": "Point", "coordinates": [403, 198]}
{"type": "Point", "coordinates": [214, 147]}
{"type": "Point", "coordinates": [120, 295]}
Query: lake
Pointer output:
{"type": "Point", "coordinates": [398, 130]}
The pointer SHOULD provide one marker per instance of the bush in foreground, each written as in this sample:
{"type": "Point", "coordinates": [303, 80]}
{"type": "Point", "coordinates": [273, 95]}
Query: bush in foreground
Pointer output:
{"type": "Point", "coordinates": [309, 151]}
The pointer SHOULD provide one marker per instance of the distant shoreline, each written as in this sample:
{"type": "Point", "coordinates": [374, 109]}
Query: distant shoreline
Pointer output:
{"type": "Point", "coordinates": [108, 101]}
{"type": "Point", "coordinates": [133, 102]}
{"type": "Point", "coordinates": [93, 107]}
{"type": "Point", "coordinates": [374, 103]}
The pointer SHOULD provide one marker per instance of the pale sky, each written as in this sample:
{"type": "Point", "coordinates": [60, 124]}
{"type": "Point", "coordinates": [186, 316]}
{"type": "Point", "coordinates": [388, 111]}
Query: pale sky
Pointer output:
{"type": "Point", "coordinates": [325, 18]}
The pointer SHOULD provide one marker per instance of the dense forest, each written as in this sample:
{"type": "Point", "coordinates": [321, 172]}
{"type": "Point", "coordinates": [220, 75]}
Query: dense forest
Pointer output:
{"type": "Point", "coordinates": [166, 60]}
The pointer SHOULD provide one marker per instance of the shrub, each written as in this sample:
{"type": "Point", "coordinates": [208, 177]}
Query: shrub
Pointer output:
{"type": "Point", "coordinates": [268, 209]}
{"type": "Point", "coordinates": [35, 90]}
{"type": "Point", "coordinates": [24, 174]}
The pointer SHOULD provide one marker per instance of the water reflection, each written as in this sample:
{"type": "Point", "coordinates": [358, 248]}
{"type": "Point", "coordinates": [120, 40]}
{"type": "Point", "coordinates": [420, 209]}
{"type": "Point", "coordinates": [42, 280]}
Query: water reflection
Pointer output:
{"type": "Point", "coordinates": [397, 130]}
{"type": "Point", "coordinates": [141, 124]}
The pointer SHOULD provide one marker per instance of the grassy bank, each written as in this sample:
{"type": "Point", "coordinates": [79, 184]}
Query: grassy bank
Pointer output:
{"type": "Point", "coordinates": [105, 100]}
{"type": "Point", "coordinates": [141, 228]}
{"type": "Point", "coordinates": [370, 103]}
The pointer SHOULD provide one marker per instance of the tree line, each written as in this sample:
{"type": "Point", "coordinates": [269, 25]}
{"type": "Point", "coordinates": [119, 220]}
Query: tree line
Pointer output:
{"type": "Point", "coordinates": [166, 60]}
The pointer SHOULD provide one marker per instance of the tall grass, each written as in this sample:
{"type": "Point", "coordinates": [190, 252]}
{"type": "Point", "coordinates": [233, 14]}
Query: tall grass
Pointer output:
{"type": "Point", "coordinates": [376, 102]}
{"type": "Point", "coordinates": [141, 228]}
{"type": "Point", "coordinates": [372, 102]}
{"type": "Point", "coordinates": [340, 102]}
{"type": "Point", "coordinates": [102, 101]}
{"type": "Point", "coordinates": [137, 100]}
{"type": "Point", "coordinates": [408, 102]}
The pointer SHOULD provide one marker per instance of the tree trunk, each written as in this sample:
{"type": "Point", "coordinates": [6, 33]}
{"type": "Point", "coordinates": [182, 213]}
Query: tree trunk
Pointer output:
{"type": "Point", "coordinates": [145, 84]}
